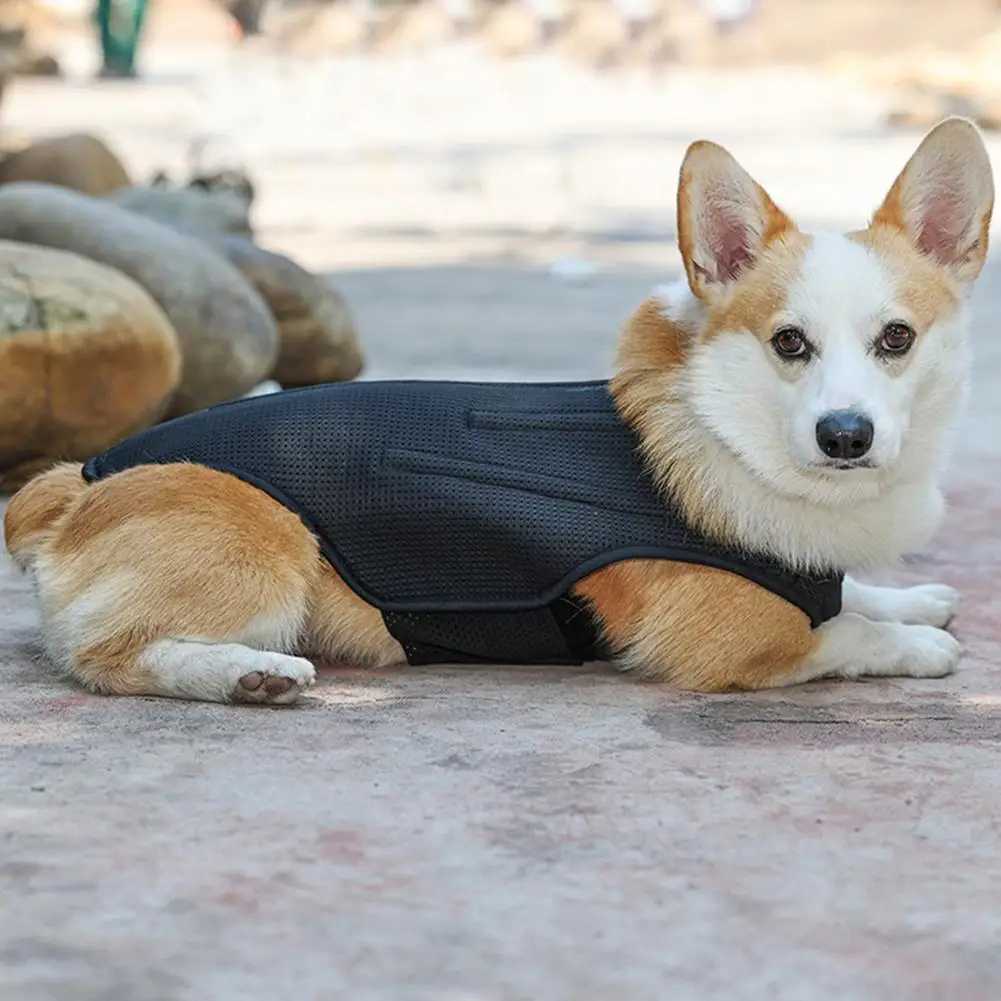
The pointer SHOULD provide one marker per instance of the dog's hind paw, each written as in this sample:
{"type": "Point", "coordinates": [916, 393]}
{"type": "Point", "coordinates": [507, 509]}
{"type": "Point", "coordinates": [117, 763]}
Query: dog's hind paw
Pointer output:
{"type": "Point", "coordinates": [278, 681]}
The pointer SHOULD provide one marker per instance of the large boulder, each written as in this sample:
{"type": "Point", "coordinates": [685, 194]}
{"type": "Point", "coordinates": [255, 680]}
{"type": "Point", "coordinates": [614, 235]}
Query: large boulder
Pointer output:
{"type": "Point", "coordinates": [318, 338]}
{"type": "Point", "coordinates": [87, 357]}
{"type": "Point", "coordinates": [80, 161]}
{"type": "Point", "coordinates": [228, 337]}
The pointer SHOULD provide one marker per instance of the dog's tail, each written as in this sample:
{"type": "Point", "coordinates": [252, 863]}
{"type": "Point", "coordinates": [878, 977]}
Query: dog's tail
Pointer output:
{"type": "Point", "coordinates": [36, 509]}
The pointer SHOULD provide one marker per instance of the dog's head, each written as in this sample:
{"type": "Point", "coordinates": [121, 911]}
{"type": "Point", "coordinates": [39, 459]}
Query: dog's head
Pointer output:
{"type": "Point", "coordinates": [833, 365]}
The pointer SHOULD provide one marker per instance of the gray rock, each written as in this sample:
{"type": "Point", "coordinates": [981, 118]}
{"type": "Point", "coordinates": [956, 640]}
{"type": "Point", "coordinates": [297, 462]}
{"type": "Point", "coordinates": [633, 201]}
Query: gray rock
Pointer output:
{"type": "Point", "coordinates": [318, 338]}
{"type": "Point", "coordinates": [227, 334]}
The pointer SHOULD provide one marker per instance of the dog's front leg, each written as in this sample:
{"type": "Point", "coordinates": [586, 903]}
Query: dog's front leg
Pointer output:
{"type": "Point", "coordinates": [925, 604]}
{"type": "Point", "coordinates": [853, 646]}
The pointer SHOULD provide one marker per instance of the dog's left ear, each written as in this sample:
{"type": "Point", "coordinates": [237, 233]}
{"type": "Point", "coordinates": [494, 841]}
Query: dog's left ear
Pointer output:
{"type": "Point", "coordinates": [943, 198]}
{"type": "Point", "coordinates": [725, 219]}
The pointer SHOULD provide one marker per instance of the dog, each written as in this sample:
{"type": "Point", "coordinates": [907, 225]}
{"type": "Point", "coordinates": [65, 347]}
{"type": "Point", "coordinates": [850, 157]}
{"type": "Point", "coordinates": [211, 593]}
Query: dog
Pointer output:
{"type": "Point", "coordinates": [791, 398]}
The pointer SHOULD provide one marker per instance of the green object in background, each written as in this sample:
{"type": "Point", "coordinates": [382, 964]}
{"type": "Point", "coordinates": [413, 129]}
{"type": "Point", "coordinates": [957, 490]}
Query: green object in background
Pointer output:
{"type": "Point", "coordinates": [119, 24]}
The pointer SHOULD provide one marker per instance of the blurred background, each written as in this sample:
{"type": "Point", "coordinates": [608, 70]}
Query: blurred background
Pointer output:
{"type": "Point", "coordinates": [489, 184]}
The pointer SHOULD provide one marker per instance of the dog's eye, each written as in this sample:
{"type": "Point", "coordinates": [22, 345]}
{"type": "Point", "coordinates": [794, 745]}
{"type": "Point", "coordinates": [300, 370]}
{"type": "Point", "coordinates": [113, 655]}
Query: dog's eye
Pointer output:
{"type": "Point", "coordinates": [895, 339]}
{"type": "Point", "coordinates": [790, 342]}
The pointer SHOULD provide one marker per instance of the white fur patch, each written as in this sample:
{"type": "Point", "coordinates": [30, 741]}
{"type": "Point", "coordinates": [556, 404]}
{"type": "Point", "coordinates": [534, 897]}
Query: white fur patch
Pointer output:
{"type": "Point", "coordinates": [924, 604]}
{"type": "Point", "coordinates": [83, 622]}
{"type": "Point", "coordinates": [211, 672]}
{"type": "Point", "coordinates": [854, 647]}
{"type": "Point", "coordinates": [680, 306]}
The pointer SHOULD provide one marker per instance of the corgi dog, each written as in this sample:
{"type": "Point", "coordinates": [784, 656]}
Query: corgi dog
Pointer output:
{"type": "Point", "coordinates": [791, 397]}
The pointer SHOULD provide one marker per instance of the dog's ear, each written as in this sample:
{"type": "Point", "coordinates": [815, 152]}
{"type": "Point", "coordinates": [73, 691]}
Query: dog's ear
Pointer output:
{"type": "Point", "coordinates": [725, 219]}
{"type": "Point", "coordinates": [943, 198]}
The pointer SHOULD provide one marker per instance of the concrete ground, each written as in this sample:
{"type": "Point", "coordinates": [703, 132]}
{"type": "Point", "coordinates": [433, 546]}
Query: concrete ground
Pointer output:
{"type": "Point", "coordinates": [464, 834]}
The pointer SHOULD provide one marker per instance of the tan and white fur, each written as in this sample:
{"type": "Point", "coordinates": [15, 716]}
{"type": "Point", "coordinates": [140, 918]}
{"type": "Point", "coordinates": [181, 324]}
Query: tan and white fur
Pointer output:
{"type": "Point", "coordinates": [182, 581]}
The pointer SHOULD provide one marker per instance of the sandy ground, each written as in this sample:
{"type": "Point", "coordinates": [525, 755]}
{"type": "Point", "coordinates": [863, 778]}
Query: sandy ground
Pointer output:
{"type": "Point", "coordinates": [507, 835]}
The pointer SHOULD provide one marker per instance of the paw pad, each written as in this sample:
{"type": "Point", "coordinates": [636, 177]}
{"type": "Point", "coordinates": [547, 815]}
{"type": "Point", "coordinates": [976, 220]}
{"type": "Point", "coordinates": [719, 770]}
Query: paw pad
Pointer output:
{"type": "Point", "coordinates": [278, 684]}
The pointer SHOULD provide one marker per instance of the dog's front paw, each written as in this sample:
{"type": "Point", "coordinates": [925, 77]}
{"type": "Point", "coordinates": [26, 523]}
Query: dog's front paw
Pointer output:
{"type": "Point", "coordinates": [927, 605]}
{"type": "Point", "coordinates": [930, 653]}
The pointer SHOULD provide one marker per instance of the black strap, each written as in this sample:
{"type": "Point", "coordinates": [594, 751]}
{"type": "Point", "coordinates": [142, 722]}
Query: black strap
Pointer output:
{"type": "Point", "coordinates": [563, 633]}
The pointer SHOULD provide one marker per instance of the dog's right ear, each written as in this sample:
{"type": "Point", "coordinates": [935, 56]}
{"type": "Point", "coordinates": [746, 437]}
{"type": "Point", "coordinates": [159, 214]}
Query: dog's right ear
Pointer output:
{"type": "Point", "coordinates": [725, 219]}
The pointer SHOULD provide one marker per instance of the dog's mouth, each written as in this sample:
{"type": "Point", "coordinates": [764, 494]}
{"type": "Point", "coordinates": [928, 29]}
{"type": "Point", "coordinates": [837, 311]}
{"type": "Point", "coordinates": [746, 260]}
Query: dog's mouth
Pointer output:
{"type": "Point", "coordinates": [843, 465]}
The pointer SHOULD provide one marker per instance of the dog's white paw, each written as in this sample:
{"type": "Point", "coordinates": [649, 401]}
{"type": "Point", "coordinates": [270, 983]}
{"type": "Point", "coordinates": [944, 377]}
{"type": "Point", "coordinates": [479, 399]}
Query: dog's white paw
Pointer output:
{"type": "Point", "coordinates": [930, 652]}
{"type": "Point", "coordinates": [276, 680]}
{"type": "Point", "coordinates": [927, 605]}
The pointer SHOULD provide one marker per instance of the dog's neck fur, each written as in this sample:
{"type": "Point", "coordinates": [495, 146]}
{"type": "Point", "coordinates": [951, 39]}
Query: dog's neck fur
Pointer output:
{"type": "Point", "coordinates": [718, 494]}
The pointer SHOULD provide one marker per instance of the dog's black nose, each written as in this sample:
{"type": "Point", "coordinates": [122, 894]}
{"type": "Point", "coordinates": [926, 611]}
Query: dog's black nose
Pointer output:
{"type": "Point", "coordinates": [844, 434]}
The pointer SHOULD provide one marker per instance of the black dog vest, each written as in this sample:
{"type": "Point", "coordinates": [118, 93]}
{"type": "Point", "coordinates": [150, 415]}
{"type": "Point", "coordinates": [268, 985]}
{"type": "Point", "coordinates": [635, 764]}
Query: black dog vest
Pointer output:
{"type": "Point", "coordinates": [464, 512]}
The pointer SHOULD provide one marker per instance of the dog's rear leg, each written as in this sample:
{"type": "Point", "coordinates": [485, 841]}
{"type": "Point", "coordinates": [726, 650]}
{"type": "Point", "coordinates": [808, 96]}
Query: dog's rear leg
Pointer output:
{"type": "Point", "coordinates": [179, 581]}
{"type": "Point", "coordinates": [218, 672]}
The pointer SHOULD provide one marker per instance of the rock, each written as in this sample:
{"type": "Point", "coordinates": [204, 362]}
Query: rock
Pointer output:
{"type": "Point", "coordinates": [192, 209]}
{"type": "Point", "coordinates": [318, 339]}
{"type": "Point", "coordinates": [228, 337]}
{"type": "Point", "coordinates": [87, 357]}
{"type": "Point", "coordinates": [79, 161]}
{"type": "Point", "coordinates": [316, 330]}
